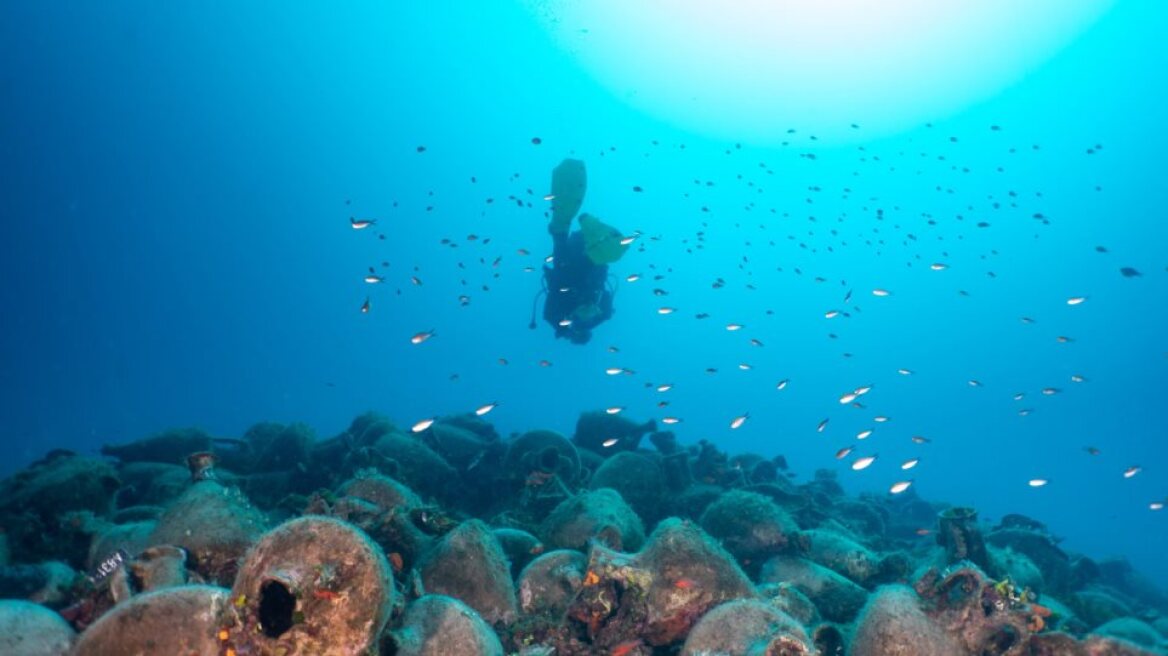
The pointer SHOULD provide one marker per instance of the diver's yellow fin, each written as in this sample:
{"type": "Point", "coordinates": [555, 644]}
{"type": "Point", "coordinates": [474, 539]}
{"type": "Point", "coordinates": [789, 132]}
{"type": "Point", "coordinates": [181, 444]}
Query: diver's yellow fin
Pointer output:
{"type": "Point", "coordinates": [569, 182]}
{"type": "Point", "coordinates": [602, 242]}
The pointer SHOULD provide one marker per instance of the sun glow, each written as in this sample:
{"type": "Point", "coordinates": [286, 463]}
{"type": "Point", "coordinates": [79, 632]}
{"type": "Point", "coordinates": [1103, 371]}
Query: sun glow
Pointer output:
{"type": "Point", "coordinates": [754, 68]}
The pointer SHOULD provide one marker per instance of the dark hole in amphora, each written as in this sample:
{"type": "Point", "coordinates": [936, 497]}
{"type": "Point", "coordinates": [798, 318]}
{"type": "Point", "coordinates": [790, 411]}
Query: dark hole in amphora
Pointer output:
{"type": "Point", "coordinates": [277, 605]}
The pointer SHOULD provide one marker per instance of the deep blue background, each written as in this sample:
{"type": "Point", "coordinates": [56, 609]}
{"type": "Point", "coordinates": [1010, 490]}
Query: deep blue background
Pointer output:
{"type": "Point", "coordinates": [176, 251]}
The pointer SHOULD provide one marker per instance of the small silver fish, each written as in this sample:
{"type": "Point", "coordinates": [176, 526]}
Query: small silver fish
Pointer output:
{"type": "Point", "coordinates": [899, 487]}
{"type": "Point", "coordinates": [863, 463]}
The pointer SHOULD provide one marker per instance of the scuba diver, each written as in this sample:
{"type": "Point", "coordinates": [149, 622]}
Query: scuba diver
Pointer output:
{"type": "Point", "coordinates": [578, 296]}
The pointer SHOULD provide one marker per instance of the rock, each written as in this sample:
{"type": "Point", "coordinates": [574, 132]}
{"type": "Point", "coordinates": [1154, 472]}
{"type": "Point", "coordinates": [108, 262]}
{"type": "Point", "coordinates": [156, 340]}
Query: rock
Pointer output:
{"type": "Point", "coordinates": [892, 623]}
{"type": "Point", "coordinates": [750, 526]}
{"type": "Point", "coordinates": [469, 565]}
{"type": "Point", "coordinates": [28, 629]}
{"type": "Point", "coordinates": [747, 628]}
{"type": "Point", "coordinates": [215, 524]}
{"type": "Point", "coordinates": [837, 598]}
{"type": "Point", "coordinates": [182, 620]}
{"type": "Point", "coordinates": [313, 585]}
{"type": "Point", "coordinates": [436, 625]}
{"type": "Point", "coordinates": [549, 583]}
{"type": "Point", "coordinates": [637, 478]}
{"type": "Point", "coordinates": [600, 514]}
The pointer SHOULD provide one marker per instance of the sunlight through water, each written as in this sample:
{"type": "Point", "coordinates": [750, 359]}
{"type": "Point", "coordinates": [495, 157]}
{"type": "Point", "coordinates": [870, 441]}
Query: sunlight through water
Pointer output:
{"type": "Point", "coordinates": [752, 69]}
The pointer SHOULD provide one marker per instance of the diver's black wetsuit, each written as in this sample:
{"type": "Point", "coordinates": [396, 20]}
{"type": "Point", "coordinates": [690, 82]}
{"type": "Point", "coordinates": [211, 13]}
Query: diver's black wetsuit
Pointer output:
{"type": "Point", "coordinates": [574, 281]}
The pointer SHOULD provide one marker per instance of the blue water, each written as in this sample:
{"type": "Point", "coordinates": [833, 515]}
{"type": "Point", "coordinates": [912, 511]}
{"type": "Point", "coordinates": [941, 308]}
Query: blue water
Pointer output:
{"type": "Point", "coordinates": [178, 182]}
